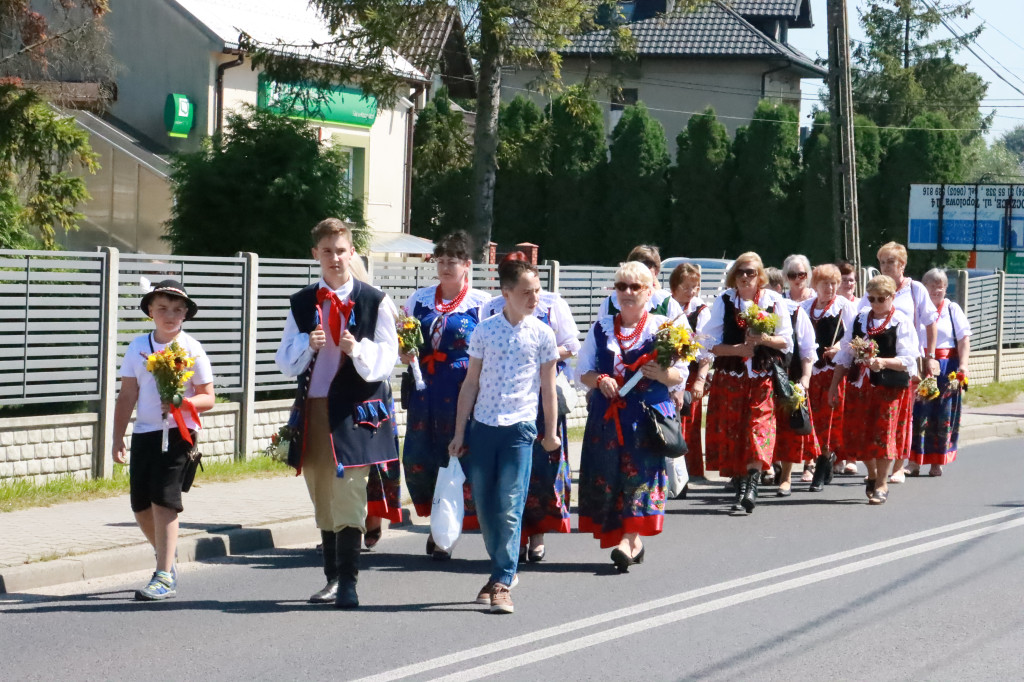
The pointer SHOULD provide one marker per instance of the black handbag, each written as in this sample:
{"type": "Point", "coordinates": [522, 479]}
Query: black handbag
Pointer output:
{"type": "Point", "coordinates": [407, 386]}
{"type": "Point", "coordinates": [800, 421]}
{"type": "Point", "coordinates": [664, 435]}
{"type": "Point", "coordinates": [195, 461]}
{"type": "Point", "coordinates": [781, 388]}
{"type": "Point", "coordinates": [889, 378]}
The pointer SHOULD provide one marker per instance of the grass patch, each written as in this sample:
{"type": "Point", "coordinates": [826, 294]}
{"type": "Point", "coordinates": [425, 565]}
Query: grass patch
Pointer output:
{"type": "Point", "coordinates": [994, 393]}
{"type": "Point", "coordinates": [23, 494]}
{"type": "Point", "coordinates": [576, 434]}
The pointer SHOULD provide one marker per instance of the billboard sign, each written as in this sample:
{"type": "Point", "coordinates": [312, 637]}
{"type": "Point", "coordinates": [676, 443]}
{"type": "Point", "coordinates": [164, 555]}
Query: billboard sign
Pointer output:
{"type": "Point", "coordinates": [966, 217]}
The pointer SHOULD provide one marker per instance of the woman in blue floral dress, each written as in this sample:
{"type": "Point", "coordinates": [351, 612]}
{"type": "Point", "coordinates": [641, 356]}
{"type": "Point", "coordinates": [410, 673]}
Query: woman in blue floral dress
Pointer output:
{"type": "Point", "coordinates": [622, 481]}
{"type": "Point", "coordinates": [448, 313]}
{"type": "Point", "coordinates": [548, 498]}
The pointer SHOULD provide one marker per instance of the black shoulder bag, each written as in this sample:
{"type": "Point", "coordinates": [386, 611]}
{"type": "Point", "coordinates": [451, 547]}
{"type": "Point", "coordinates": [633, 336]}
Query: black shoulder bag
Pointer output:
{"type": "Point", "coordinates": [664, 435]}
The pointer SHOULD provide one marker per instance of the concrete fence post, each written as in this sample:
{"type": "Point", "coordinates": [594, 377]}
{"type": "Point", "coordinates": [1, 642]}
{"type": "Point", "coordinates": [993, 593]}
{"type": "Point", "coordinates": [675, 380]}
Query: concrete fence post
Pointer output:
{"type": "Point", "coordinates": [102, 464]}
{"type": "Point", "coordinates": [963, 284]}
{"type": "Point", "coordinates": [245, 436]}
{"type": "Point", "coordinates": [556, 278]}
{"type": "Point", "coordinates": [1000, 317]}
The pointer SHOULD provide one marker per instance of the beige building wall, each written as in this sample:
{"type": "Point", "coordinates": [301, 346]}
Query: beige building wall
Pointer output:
{"type": "Point", "coordinates": [731, 86]}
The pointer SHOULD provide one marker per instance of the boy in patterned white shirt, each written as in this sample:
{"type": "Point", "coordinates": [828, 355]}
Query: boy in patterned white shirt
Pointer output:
{"type": "Point", "coordinates": [512, 355]}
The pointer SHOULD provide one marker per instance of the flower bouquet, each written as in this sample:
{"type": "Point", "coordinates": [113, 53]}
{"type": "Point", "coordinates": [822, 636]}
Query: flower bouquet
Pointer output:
{"type": "Point", "coordinates": [863, 349]}
{"type": "Point", "coordinates": [410, 338]}
{"type": "Point", "coordinates": [957, 381]}
{"type": "Point", "coordinates": [928, 390]}
{"type": "Point", "coordinates": [172, 368]}
{"type": "Point", "coordinates": [757, 320]}
{"type": "Point", "coordinates": [672, 343]}
{"type": "Point", "coordinates": [798, 399]}
{"type": "Point", "coordinates": [279, 443]}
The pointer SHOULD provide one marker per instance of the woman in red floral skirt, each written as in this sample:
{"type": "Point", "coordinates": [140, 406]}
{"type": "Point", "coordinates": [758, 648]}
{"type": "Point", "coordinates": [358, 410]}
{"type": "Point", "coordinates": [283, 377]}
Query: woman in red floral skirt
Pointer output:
{"type": "Point", "coordinates": [741, 410]}
{"type": "Point", "coordinates": [879, 356]}
{"type": "Point", "coordinates": [831, 315]}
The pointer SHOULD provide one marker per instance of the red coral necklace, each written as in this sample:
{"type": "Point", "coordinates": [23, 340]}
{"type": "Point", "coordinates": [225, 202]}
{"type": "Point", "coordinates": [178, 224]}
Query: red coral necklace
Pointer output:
{"type": "Point", "coordinates": [445, 308]}
{"type": "Point", "coordinates": [875, 331]}
{"type": "Point", "coordinates": [817, 318]}
{"type": "Point", "coordinates": [629, 340]}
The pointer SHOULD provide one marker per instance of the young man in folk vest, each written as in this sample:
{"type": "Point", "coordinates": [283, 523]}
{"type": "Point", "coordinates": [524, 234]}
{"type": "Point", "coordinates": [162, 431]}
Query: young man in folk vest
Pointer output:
{"type": "Point", "coordinates": [340, 341]}
{"type": "Point", "coordinates": [512, 355]}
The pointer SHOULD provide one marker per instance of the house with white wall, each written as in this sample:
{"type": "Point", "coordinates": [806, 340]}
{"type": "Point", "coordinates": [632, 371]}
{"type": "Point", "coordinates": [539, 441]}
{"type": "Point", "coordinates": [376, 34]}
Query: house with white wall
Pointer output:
{"type": "Point", "coordinates": [725, 54]}
{"type": "Point", "coordinates": [184, 69]}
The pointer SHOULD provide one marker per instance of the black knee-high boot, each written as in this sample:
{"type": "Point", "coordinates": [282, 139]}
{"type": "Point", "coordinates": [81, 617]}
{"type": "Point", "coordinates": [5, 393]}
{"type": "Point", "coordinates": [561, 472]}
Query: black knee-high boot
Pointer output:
{"type": "Point", "coordinates": [741, 489]}
{"type": "Point", "coordinates": [349, 544]}
{"type": "Point", "coordinates": [750, 494]}
{"type": "Point", "coordinates": [330, 590]}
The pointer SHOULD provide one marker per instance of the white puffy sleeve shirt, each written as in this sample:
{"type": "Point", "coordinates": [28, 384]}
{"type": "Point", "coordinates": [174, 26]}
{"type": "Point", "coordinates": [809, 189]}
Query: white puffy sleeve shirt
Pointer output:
{"type": "Point", "coordinates": [952, 327]}
{"type": "Point", "coordinates": [587, 360]}
{"type": "Point", "coordinates": [906, 340]}
{"type": "Point", "coordinates": [374, 359]}
{"type": "Point", "coordinates": [715, 327]}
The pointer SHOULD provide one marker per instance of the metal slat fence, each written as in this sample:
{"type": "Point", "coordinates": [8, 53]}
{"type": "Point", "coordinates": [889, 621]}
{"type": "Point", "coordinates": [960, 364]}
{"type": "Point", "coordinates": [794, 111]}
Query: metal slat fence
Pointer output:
{"type": "Point", "coordinates": [50, 326]}
{"type": "Point", "coordinates": [216, 284]}
{"type": "Point", "coordinates": [982, 311]}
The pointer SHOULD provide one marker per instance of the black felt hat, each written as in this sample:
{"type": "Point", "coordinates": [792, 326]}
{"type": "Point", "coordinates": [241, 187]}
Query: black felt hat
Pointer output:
{"type": "Point", "coordinates": [169, 287]}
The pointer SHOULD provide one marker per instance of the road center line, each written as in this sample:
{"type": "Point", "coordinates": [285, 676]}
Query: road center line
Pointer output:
{"type": "Point", "coordinates": [636, 627]}
{"type": "Point", "coordinates": [562, 630]}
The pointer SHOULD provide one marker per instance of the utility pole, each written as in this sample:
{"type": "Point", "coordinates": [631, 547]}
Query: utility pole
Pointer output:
{"type": "Point", "coordinates": [844, 162]}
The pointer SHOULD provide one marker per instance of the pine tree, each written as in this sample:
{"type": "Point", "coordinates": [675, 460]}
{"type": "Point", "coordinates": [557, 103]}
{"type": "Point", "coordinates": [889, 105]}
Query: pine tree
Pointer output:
{"type": "Point", "coordinates": [576, 164]}
{"type": "Point", "coordinates": [520, 192]}
{"type": "Point", "coordinates": [701, 220]}
{"type": "Point", "coordinates": [636, 186]}
{"type": "Point", "coordinates": [764, 191]}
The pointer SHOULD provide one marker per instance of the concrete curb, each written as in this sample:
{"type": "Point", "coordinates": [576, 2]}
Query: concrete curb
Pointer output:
{"type": "Point", "coordinates": [212, 544]}
{"type": "Point", "coordinates": [978, 433]}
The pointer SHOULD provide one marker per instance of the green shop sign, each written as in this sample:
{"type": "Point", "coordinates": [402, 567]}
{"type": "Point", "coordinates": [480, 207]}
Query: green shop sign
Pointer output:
{"type": "Point", "coordinates": [178, 115]}
{"type": "Point", "coordinates": [347, 106]}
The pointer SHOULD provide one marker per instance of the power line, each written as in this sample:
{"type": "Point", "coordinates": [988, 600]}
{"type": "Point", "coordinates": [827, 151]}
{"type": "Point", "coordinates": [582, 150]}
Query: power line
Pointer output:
{"type": "Point", "coordinates": [969, 48]}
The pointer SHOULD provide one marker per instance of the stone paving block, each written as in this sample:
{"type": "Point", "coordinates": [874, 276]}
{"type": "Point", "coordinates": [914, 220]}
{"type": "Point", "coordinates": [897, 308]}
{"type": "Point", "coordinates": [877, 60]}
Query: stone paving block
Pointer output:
{"type": "Point", "coordinates": [36, 466]}
{"type": "Point", "coordinates": [67, 449]}
{"type": "Point", "coordinates": [49, 435]}
{"type": "Point", "coordinates": [61, 433]}
{"type": "Point", "coordinates": [74, 432]}
{"type": "Point", "coordinates": [81, 447]}
{"type": "Point", "coordinates": [47, 466]}
{"type": "Point", "coordinates": [6, 438]}
{"type": "Point", "coordinates": [21, 468]}
{"type": "Point", "coordinates": [6, 469]}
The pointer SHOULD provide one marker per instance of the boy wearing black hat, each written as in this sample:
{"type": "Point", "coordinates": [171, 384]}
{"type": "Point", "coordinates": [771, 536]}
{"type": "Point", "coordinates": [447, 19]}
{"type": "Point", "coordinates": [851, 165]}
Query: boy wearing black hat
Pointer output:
{"type": "Point", "coordinates": [156, 476]}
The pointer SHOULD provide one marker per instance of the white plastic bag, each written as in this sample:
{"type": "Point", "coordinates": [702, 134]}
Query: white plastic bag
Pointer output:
{"type": "Point", "coordinates": [448, 507]}
{"type": "Point", "coordinates": [678, 477]}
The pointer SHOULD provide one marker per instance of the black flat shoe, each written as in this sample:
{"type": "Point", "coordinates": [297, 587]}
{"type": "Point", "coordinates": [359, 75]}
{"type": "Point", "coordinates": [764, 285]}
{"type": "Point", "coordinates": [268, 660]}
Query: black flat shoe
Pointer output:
{"type": "Point", "coordinates": [784, 492]}
{"type": "Point", "coordinates": [441, 555]}
{"type": "Point", "coordinates": [639, 557]}
{"type": "Point", "coordinates": [535, 555]}
{"type": "Point", "coordinates": [869, 487]}
{"type": "Point", "coordinates": [621, 560]}
{"type": "Point", "coordinates": [372, 537]}
{"type": "Point", "coordinates": [431, 546]}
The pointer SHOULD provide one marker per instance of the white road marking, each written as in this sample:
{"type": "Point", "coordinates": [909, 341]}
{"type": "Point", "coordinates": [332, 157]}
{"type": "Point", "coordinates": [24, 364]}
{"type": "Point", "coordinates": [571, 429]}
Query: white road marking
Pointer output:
{"type": "Point", "coordinates": [562, 630]}
{"type": "Point", "coordinates": [635, 627]}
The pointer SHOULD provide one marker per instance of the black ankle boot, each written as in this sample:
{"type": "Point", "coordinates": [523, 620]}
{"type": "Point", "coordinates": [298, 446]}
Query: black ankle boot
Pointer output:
{"type": "Point", "coordinates": [348, 545]}
{"type": "Point", "coordinates": [749, 500]}
{"type": "Point", "coordinates": [741, 489]}
{"type": "Point", "coordinates": [831, 458]}
{"type": "Point", "coordinates": [822, 470]}
{"type": "Point", "coordinates": [330, 590]}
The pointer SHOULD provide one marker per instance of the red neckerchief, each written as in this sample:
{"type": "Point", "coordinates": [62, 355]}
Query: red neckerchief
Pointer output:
{"type": "Point", "coordinates": [338, 309]}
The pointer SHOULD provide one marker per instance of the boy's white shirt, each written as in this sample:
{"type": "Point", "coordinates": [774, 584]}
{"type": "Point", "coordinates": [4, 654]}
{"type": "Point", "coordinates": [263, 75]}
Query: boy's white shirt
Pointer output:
{"type": "Point", "coordinates": [374, 359]}
{"type": "Point", "coordinates": [148, 411]}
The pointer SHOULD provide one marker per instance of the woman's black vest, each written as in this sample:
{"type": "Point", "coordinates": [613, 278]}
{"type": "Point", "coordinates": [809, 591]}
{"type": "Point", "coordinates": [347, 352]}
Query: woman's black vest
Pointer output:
{"type": "Point", "coordinates": [796, 365]}
{"type": "Point", "coordinates": [886, 342]}
{"type": "Point", "coordinates": [733, 334]}
{"type": "Point", "coordinates": [827, 330]}
{"type": "Point", "coordinates": [361, 413]}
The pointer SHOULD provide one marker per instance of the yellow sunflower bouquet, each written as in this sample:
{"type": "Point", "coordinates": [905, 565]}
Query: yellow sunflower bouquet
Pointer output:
{"type": "Point", "coordinates": [172, 368]}
{"type": "Point", "coordinates": [410, 338]}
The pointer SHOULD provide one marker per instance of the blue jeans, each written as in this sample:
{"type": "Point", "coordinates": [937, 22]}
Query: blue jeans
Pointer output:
{"type": "Point", "coordinates": [498, 468]}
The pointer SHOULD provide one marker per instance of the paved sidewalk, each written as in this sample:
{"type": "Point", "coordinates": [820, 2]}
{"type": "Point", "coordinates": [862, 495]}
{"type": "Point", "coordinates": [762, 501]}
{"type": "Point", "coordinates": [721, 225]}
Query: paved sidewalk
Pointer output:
{"type": "Point", "coordinates": [84, 540]}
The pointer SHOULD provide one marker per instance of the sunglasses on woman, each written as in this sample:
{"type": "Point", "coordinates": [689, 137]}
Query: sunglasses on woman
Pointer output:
{"type": "Point", "coordinates": [877, 299]}
{"type": "Point", "coordinates": [747, 272]}
{"type": "Point", "coordinates": [796, 276]}
{"type": "Point", "coordinates": [634, 287]}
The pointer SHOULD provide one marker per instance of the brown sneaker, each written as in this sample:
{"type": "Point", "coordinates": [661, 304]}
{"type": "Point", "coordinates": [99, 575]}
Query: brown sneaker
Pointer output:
{"type": "Point", "coordinates": [484, 598]}
{"type": "Point", "coordinates": [501, 599]}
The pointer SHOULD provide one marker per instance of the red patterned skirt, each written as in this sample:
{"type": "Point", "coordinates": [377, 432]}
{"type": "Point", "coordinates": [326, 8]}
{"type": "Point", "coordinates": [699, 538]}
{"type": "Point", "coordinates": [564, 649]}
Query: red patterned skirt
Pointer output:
{"type": "Point", "coordinates": [691, 428]}
{"type": "Point", "coordinates": [904, 437]}
{"type": "Point", "coordinates": [828, 420]}
{"type": "Point", "coordinates": [740, 423]}
{"type": "Point", "coordinates": [790, 446]}
{"type": "Point", "coordinates": [881, 422]}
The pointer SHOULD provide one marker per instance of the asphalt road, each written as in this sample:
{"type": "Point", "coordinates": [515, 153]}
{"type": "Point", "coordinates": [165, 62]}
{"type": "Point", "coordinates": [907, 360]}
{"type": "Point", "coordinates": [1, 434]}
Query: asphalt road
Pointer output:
{"type": "Point", "coordinates": [816, 586]}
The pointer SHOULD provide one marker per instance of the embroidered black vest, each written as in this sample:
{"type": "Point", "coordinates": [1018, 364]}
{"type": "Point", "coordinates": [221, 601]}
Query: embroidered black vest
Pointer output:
{"type": "Point", "coordinates": [361, 413]}
{"type": "Point", "coordinates": [692, 319]}
{"type": "Point", "coordinates": [733, 334]}
{"type": "Point", "coordinates": [827, 330]}
{"type": "Point", "coordinates": [886, 342]}
{"type": "Point", "coordinates": [796, 366]}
